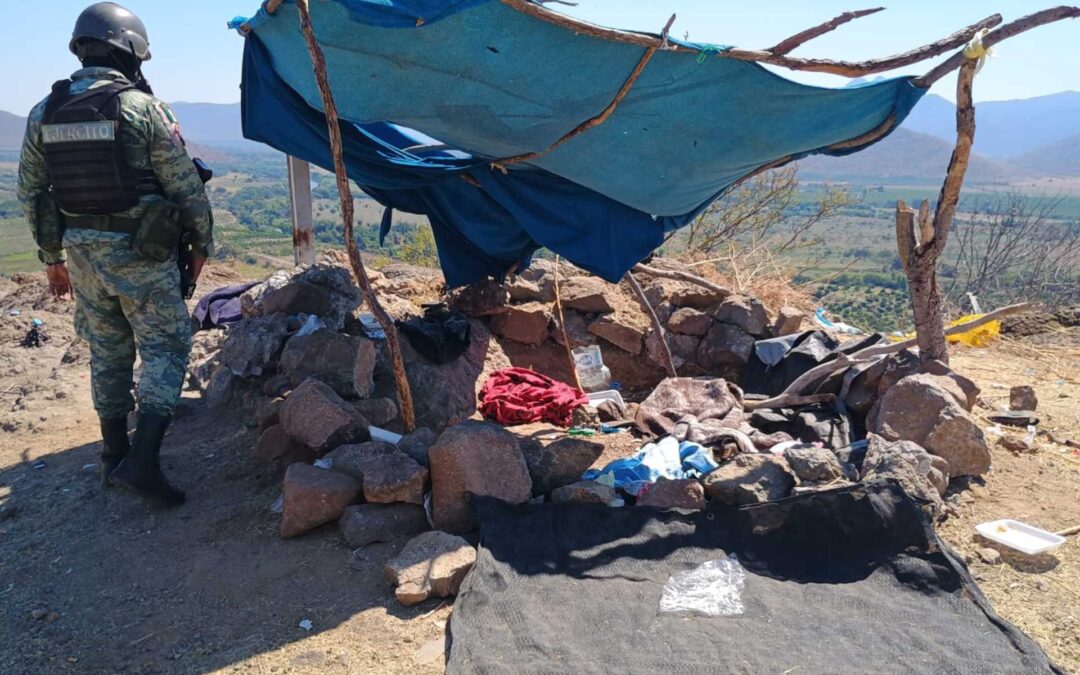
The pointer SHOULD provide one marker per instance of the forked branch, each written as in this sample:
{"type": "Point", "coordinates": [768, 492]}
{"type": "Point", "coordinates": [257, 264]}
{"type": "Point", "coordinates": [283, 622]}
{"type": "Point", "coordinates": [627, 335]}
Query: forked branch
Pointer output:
{"type": "Point", "coordinates": [799, 39]}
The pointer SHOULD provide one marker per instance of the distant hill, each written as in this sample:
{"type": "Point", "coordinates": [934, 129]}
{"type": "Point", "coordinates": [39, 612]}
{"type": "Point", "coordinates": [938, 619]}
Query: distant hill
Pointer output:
{"type": "Point", "coordinates": [1060, 158]}
{"type": "Point", "coordinates": [1003, 128]}
{"type": "Point", "coordinates": [905, 157]}
{"type": "Point", "coordinates": [12, 128]}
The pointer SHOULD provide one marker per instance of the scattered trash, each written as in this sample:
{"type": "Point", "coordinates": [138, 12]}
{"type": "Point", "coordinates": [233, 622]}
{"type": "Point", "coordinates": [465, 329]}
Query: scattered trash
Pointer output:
{"type": "Point", "coordinates": [40, 464]}
{"type": "Point", "coordinates": [995, 430]}
{"type": "Point", "coordinates": [312, 325]}
{"type": "Point", "coordinates": [598, 397]}
{"type": "Point", "coordinates": [383, 435]}
{"type": "Point", "coordinates": [35, 337]}
{"type": "Point", "coordinates": [1020, 536]}
{"type": "Point", "coordinates": [89, 467]}
{"type": "Point", "coordinates": [1014, 418]}
{"type": "Point", "coordinates": [306, 624]}
{"type": "Point", "coordinates": [712, 589]}
{"type": "Point", "coordinates": [667, 458]}
{"type": "Point", "coordinates": [324, 463]}
{"type": "Point", "coordinates": [582, 431]}
{"type": "Point", "coordinates": [372, 328]}
{"type": "Point", "coordinates": [279, 505]}
{"type": "Point", "coordinates": [591, 371]}
{"type": "Point", "coordinates": [15, 312]}
{"type": "Point", "coordinates": [837, 326]}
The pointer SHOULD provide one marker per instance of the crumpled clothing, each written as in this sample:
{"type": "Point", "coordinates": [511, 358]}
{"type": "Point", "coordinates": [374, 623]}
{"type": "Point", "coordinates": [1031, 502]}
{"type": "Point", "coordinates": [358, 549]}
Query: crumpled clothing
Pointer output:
{"type": "Point", "coordinates": [220, 306]}
{"type": "Point", "coordinates": [700, 410]}
{"type": "Point", "coordinates": [440, 336]}
{"type": "Point", "coordinates": [667, 458]}
{"type": "Point", "coordinates": [521, 396]}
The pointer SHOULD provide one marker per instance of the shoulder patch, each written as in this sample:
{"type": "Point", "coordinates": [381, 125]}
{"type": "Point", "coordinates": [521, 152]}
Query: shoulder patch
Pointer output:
{"type": "Point", "coordinates": [169, 120]}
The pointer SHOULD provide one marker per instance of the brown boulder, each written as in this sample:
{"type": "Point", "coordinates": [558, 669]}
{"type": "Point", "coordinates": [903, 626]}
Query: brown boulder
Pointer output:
{"type": "Point", "coordinates": [274, 445]}
{"type": "Point", "coordinates": [750, 479]}
{"type": "Point", "coordinates": [811, 464]}
{"type": "Point", "coordinates": [325, 355]}
{"type": "Point", "coordinates": [527, 324]}
{"type": "Point", "coordinates": [394, 478]}
{"type": "Point", "coordinates": [269, 413]}
{"type": "Point", "coordinates": [619, 331]}
{"type": "Point", "coordinates": [317, 417]}
{"type": "Point", "coordinates": [675, 494]}
{"type": "Point", "coordinates": [377, 411]}
{"type": "Point", "coordinates": [432, 565]}
{"type": "Point", "coordinates": [1023, 398]}
{"type": "Point", "coordinates": [353, 458]}
{"type": "Point", "coordinates": [365, 524]}
{"type": "Point", "coordinates": [475, 458]}
{"type": "Point", "coordinates": [559, 463]}
{"type": "Point", "coordinates": [788, 321]}
{"type": "Point", "coordinates": [417, 444]}
{"type": "Point", "coordinates": [363, 367]}
{"type": "Point", "coordinates": [683, 350]}
{"type": "Point", "coordinates": [298, 297]}
{"type": "Point", "coordinates": [689, 321]}
{"type": "Point", "coordinates": [313, 497]}
{"type": "Point", "coordinates": [745, 312]}
{"type": "Point", "coordinates": [725, 350]}
{"type": "Point", "coordinates": [926, 410]}
{"type": "Point", "coordinates": [484, 298]}
{"type": "Point", "coordinates": [586, 294]}
{"type": "Point", "coordinates": [909, 465]}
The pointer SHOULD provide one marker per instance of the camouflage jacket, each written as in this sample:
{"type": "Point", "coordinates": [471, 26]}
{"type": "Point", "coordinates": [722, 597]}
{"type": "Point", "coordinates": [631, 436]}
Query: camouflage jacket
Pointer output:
{"type": "Point", "coordinates": [152, 141]}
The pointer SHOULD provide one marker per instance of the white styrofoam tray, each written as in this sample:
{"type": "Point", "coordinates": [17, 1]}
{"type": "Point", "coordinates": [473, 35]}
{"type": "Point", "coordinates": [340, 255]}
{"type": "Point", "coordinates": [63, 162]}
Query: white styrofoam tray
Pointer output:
{"type": "Point", "coordinates": [607, 395]}
{"type": "Point", "coordinates": [1020, 536]}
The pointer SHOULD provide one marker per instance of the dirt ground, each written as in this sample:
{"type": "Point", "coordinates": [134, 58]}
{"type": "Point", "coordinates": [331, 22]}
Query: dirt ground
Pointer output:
{"type": "Point", "coordinates": [94, 581]}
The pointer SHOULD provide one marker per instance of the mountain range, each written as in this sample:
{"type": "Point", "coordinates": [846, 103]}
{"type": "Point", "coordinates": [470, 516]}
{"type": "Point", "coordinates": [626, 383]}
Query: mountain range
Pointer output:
{"type": "Point", "coordinates": [1015, 140]}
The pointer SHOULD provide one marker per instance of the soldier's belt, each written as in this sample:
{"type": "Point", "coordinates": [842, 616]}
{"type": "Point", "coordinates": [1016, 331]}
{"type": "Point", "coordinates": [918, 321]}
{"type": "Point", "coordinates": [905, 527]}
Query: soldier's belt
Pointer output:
{"type": "Point", "coordinates": [103, 223]}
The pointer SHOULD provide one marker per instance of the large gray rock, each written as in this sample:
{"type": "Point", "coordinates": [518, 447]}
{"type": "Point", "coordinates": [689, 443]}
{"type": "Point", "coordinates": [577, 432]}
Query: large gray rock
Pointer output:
{"type": "Point", "coordinates": [586, 294]}
{"type": "Point", "coordinates": [683, 348]}
{"type": "Point", "coordinates": [911, 466]}
{"type": "Point", "coordinates": [365, 524]}
{"type": "Point", "coordinates": [814, 465]}
{"type": "Point", "coordinates": [725, 350]}
{"type": "Point", "coordinates": [750, 479]}
{"type": "Point", "coordinates": [317, 417]}
{"type": "Point", "coordinates": [298, 297]}
{"type": "Point", "coordinates": [377, 411]}
{"type": "Point", "coordinates": [328, 357]}
{"type": "Point", "coordinates": [445, 394]}
{"type": "Point", "coordinates": [274, 445]}
{"type": "Point", "coordinates": [417, 444]}
{"type": "Point", "coordinates": [363, 367]}
{"type": "Point", "coordinates": [475, 458]}
{"type": "Point", "coordinates": [484, 298]}
{"type": "Point", "coordinates": [313, 497]}
{"type": "Point", "coordinates": [527, 324]}
{"type": "Point", "coordinates": [432, 565]}
{"type": "Point", "coordinates": [559, 463]}
{"type": "Point", "coordinates": [745, 312]}
{"type": "Point", "coordinates": [919, 408]}
{"type": "Point", "coordinates": [252, 347]}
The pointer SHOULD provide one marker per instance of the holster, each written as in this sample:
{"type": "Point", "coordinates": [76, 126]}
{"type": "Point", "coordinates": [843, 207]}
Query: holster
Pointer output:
{"type": "Point", "coordinates": [159, 232]}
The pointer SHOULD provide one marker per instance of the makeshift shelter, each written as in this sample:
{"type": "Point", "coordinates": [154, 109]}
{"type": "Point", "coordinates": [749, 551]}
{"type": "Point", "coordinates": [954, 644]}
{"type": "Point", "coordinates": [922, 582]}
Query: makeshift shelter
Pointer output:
{"type": "Point", "coordinates": [499, 88]}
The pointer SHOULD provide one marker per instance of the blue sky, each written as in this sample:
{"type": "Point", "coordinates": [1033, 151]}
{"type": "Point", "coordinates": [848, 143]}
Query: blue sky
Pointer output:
{"type": "Point", "coordinates": [197, 59]}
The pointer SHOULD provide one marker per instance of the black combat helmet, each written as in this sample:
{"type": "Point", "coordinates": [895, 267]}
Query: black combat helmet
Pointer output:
{"type": "Point", "coordinates": [110, 23]}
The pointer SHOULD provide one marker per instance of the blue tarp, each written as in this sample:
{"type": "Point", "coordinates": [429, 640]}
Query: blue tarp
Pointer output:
{"type": "Point", "coordinates": [491, 82]}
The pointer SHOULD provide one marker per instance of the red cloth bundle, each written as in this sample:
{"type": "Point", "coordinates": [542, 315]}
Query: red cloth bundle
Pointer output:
{"type": "Point", "coordinates": [520, 396]}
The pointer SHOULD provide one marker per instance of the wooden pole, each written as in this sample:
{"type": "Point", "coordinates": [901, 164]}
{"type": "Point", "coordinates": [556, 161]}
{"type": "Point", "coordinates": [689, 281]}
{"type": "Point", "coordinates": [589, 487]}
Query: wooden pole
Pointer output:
{"type": "Point", "coordinates": [300, 205]}
{"type": "Point", "coordinates": [669, 362]}
{"type": "Point", "coordinates": [799, 39]}
{"type": "Point", "coordinates": [562, 327]}
{"type": "Point", "coordinates": [683, 276]}
{"type": "Point", "coordinates": [318, 62]}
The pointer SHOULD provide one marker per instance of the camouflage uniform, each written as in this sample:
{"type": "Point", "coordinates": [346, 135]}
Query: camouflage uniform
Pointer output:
{"type": "Point", "coordinates": [124, 301]}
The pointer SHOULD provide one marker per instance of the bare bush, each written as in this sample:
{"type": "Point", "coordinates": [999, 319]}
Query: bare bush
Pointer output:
{"type": "Point", "coordinates": [1014, 247]}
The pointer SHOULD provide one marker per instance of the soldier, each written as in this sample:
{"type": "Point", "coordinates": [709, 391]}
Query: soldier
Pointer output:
{"type": "Point", "coordinates": [104, 177]}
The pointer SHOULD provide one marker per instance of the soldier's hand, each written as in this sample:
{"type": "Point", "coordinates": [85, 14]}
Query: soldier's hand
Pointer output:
{"type": "Point", "coordinates": [59, 281]}
{"type": "Point", "coordinates": [196, 267]}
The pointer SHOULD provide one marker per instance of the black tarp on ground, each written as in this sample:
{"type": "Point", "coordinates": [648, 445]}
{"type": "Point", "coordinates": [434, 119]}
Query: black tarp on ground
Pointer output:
{"type": "Point", "coordinates": [849, 581]}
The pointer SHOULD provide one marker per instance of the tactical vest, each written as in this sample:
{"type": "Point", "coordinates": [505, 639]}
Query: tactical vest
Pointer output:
{"type": "Point", "coordinates": [84, 151]}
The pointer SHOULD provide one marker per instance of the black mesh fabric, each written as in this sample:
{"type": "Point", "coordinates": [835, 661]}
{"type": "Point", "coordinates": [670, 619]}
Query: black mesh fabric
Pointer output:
{"type": "Point", "coordinates": [848, 581]}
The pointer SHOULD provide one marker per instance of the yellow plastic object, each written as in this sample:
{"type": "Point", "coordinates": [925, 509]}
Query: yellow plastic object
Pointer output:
{"type": "Point", "coordinates": [977, 337]}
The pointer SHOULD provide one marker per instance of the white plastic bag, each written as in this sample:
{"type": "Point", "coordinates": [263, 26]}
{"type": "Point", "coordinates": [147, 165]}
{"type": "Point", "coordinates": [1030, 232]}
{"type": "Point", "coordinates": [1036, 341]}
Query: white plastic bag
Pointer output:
{"type": "Point", "coordinates": [714, 588]}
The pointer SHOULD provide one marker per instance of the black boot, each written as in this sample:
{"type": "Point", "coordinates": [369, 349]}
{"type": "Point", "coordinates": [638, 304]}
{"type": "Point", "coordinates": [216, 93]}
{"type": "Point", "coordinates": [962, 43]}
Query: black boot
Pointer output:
{"type": "Point", "coordinates": [140, 471]}
{"type": "Point", "coordinates": [114, 445]}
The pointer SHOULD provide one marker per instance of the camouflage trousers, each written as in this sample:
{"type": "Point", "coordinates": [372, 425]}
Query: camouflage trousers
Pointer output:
{"type": "Point", "coordinates": [125, 302]}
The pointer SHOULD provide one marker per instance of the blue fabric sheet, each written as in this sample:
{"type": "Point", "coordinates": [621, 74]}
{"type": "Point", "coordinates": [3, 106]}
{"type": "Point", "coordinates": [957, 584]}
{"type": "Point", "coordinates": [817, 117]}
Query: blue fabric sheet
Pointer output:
{"type": "Point", "coordinates": [667, 458]}
{"type": "Point", "coordinates": [491, 82]}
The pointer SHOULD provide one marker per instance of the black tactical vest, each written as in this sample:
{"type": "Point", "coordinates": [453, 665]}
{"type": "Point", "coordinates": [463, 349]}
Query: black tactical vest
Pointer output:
{"type": "Point", "coordinates": [84, 151]}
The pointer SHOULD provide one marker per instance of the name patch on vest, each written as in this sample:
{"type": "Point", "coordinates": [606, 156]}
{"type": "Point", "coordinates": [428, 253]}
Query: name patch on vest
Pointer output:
{"type": "Point", "coordinates": [79, 132]}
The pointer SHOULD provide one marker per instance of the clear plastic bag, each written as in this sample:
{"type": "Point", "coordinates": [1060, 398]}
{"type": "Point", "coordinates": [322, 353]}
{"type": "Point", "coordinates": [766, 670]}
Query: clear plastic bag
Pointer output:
{"type": "Point", "coordinates": [714, 588]}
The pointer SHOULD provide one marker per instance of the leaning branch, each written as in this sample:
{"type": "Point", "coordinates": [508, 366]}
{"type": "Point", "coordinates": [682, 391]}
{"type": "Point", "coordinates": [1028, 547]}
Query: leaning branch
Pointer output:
{"type": "Point", "coordinates": [799, 39]}
{"type": "Point", "coordinates": [318, 62]}
{"type": "Point", "coordinates": [845, 68]}
{"type": "Point", "coordinates": [1007, 31]}
{"type": "Point", "coordinates": [682, 276]}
